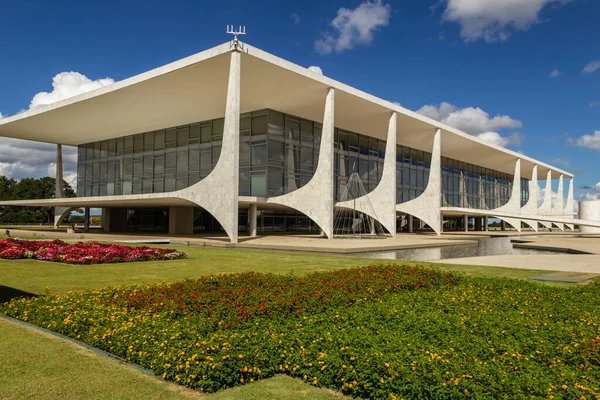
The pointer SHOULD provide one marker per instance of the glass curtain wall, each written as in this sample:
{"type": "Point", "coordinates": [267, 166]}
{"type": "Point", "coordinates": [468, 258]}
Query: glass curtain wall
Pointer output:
{"type": "Point", "coordinates": [357, 153]}
{"type": "Point", "coordinates": [278, 153]}
{"type": "Point", "coordinates": [471, 186]}
{"type": "Point", "coordinates": [524, 191]}
{"type": "Point", "coordinates": [412, 173]}
{"type": "Point", "coordinates": [152, 162]}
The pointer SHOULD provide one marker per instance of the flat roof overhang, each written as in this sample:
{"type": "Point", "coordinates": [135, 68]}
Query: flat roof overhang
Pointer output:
{"type": "Point", "coordinates": [194, 89]}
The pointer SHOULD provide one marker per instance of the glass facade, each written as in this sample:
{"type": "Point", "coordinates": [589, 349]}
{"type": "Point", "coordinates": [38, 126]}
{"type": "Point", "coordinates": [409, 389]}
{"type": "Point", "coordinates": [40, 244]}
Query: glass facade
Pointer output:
{"type": "Point", "coordinates": [524, 191]}
{"type": "Point", "coordinates": [471, 186]}
{"type": "Point", "coordinates": [151, 162]}
{"type": "Point", "coordinates": [278, 154]}
{"type": "Point", "coordinates": [412, 173]}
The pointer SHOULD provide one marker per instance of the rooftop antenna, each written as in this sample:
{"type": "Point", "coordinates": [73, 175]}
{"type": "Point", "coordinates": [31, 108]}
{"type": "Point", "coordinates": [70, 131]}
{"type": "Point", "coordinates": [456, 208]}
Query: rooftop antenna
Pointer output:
{"type": "Point", "coordinates": [231, 30]}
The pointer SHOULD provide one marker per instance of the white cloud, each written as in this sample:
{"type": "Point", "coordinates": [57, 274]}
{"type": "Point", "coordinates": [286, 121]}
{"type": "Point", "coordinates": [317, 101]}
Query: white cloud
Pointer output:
{"type": "Point", "coordinates": [316, 69]}
{"type": "Point", "coordinates": [495, 20]}
{"type": "Point", "coordinates": [589, 141]}
{"type": "Point", "coordinates": [592, 194]}
{"type": "Point", "coordinates": [561, 161]}
{"type": "Point", "coordinates": [555, 74]}
{"type": "Point", "coordinates": [353, 27]}
{"type": "Point", "coordinates": [471, 120]}
{"type": "Point", "coordinates": [1, 116]}
{"type": "Point", "coordinates": [295, 18]}
{"type": "Point", "coordinates": [476, 122]}
{"type": "Point", "coordinates": [21, 158]}
{"type": "Point", "coordinates": [592, 67]}
{"type": "Point", "coordinates": [595, 104]}
{"type": "Point", "coordinates": [68, 84]}
{"type": "Point", "coordinates": [24, 159]}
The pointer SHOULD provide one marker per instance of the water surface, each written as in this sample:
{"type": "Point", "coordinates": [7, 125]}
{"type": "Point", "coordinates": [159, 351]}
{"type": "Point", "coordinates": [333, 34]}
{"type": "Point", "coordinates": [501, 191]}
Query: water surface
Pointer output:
{"type": "Point", "coordinates": [483, 247]}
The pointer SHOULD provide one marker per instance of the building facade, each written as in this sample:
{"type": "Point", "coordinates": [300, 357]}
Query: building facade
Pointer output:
{"type": "Point", "coordinates": [238, 141]}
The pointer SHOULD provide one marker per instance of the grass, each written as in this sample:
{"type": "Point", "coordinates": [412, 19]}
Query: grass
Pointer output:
{"type": "Point", "coordinates": [34, 276]}
{"type": "Point", "coordinates": [47, 367]}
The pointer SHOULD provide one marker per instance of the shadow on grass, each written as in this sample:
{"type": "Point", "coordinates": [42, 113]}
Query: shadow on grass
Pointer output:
{"type": "Point", "coordinates": [8, 293]}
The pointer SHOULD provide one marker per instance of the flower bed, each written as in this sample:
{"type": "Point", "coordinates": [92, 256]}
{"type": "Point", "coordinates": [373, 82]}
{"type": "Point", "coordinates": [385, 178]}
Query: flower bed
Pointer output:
{"type": "Point", "coordinates": [383, 331]}
{"type": "Point", "coordinates": [82, 253]}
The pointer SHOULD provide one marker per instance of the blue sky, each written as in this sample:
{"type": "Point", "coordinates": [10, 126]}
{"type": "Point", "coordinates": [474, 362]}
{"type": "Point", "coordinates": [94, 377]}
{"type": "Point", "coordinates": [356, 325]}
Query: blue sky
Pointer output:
{"type": "Point", "coordinates": [491, 61]}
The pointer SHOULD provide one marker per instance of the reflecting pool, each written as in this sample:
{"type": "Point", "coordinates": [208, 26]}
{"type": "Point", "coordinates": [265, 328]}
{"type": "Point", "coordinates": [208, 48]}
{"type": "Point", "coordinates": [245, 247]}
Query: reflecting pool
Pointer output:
{"type": "Point", "coordinates": [482, 247]}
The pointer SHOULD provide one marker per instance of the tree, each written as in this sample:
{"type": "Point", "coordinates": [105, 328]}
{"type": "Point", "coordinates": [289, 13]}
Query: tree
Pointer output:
{"type": "Point", "coordinates": [29, 189]}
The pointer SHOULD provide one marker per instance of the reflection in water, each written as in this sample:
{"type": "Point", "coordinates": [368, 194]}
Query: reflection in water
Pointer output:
{"type": "Point", "coordinates": [484, 247]}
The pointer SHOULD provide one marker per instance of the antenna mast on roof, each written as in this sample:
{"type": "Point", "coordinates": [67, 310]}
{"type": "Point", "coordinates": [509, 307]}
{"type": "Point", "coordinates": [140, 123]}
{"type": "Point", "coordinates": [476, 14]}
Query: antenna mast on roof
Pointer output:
{"type": "Point", "coordinates": [231, 30]}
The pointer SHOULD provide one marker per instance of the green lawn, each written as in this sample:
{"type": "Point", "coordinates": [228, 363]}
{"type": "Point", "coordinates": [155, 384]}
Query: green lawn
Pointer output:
{"type": "Point", "coordinates": [47, 367]}
{"type": "Point", "coordinates": [35, 276]}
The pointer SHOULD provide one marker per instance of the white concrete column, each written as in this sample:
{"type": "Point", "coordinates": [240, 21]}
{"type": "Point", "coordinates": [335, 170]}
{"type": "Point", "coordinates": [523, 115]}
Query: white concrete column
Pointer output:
{"type": "Point", "coordinates": [218, 192]}
{"type": "Point", "coordinates": [427, 207]}
{"type": "Point", "coordinates": [252, 213]}
{"type": "Point", "coordinates": [315, 199]}
{"type": "Point", "coordinates": [513, 207]}
{"type": "Point", "coordinates": [569, 207]}
{"type": "Point", "coordinates": [559, 208]}
{"type": "Point", "coordinates": [530, 208]}
{"type": "Point", "coordinates": [502, 225]}
{"type": "Point", "coordinates": [382, 200]}
{"type": "Point", "coordinates": [410, 222]}
{"type": "Point", "coordinates": [466, 223]}
{"type": "Point", "coordinates": [546, 207]}
{"type": "Point", "coordinates": [486, 223]}
{"type": "Point", "coordinates": [59, 193]}
{"type": "Point", "coordinates": [514, 203]}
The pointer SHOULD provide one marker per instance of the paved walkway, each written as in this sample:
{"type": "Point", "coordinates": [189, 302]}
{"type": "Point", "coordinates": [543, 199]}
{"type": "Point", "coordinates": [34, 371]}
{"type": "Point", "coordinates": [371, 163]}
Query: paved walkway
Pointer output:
{"type": "Point", "coordinates": [584, 245]}
{"type": "Point", "coordinates": [585, 263]}
{"type": "Point", "coordinates": [309, 243]}
{"type": "Point", "coordinates": [563, 262]}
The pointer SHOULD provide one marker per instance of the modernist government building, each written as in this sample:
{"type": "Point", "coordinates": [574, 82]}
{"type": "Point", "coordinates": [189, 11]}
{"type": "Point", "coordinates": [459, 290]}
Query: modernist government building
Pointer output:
{"type": "Point", "coordinates": [236, 140]}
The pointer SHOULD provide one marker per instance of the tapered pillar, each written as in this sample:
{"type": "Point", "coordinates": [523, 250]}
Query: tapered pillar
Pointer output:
{"type": "Point", "coordinates": [466, 223]}
{"type": "Point", "coordinates": [410, 224]}
{"type": "Point", "coordinates": [217, 194]}
{"type": "Point", "coordinates": [380, 203]}
{"type": "Point", "coordinates": [559, 206]}
{"type": "Point", "coordinates": [530, 208]}
{"type": "Point", "coordinates": [231, 130]}
{"type": "Point", "coordinates": [486, 223]}
{"type": "Point", "coordinates": [427, 207]}
{"type": "Point", "coordinates": [315, 199]}
{"type": "Point", "coordinates": [569, 207]}
{"type": "Point", "coordinates": [252, 214]}
{"type": "Point", "coordinates": [546, 207]}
